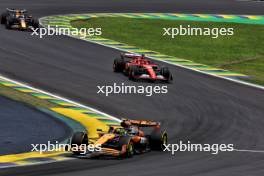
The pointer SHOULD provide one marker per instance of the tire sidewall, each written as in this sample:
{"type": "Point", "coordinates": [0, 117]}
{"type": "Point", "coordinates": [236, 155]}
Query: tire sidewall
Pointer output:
{"type": "Point", "coordinates": [158, 139]}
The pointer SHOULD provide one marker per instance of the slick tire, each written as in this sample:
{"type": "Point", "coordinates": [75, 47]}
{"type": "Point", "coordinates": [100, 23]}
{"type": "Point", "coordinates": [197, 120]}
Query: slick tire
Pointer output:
{"type": "Point", "coordinates": [158, 139]}
{"type": "Point", "coordinates": [118, 65]}
{"type": "Point", "coordinates": [133, 72]}
{"type": "Point", "coordinates": [78, 139]}
{"type": "Point", "coordinates": [35, 24]}
{"type": "Point", "coordinates": [8, 25]}
{"type": "Point", "coordinates": [130, 148]}
{"type": "Point", "coordinates": [3, 18]}
{"type": "Point", "coordinates": [167, 74]}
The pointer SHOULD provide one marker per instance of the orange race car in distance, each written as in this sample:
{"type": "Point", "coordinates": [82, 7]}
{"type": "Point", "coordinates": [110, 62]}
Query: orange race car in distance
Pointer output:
{"type": "Point", "coordinates": [124, 141]}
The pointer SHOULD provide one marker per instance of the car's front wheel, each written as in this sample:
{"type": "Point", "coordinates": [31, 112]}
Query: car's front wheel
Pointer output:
{"type": "Point", "coordinates": [35, 24]}
{"type": "Point", "coordinates": [165, 72]}
{"type": "Point", "coordinates": [8, 25]}
{"type": "Point", "coordinates": [3, 19]}
{"type": "Point", "coordinates": [78, 139]}
{"type": "Point", "coordinates": [133, 73]}
{"type": "Point", "coordinates": [127, 143]}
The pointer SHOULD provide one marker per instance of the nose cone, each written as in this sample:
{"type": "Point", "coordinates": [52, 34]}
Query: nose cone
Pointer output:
{"type": "Point", "coordinates": [151, 72]}
{"type": "Point", "coordinates": [23, 23]}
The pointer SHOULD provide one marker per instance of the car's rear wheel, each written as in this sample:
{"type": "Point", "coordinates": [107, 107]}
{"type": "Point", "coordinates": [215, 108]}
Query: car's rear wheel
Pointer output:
{"type": "Point", "coordinates": [78, 139]}
{"type": "Point", "coordinates": [158, 139]}
{"type": "Point", "coordinates": [118, 65]}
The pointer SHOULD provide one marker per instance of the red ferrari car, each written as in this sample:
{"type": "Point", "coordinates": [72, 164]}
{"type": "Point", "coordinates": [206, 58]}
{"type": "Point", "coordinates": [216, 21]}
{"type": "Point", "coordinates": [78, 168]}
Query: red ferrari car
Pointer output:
{"type": "Point", "coordinates": [138, 67]}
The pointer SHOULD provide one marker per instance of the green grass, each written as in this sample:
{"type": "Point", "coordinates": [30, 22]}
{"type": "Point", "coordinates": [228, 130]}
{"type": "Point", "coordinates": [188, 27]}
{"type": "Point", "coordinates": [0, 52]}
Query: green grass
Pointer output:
{"type": "Point", "coordinates": [243, 52]}
{"type": "Point", "coordinates": [25, 98]}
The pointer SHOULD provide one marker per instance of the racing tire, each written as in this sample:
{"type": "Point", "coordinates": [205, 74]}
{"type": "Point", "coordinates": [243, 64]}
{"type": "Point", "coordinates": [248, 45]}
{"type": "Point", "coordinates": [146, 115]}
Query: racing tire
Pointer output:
{"type": "Point", "coordinates": [3, 18]}
{"type": "Point", "coordinates": [158, 139]}
{"type": "Point", "coordinates": [130, 148]}
{"type": "Point", "coordinates": [118, 65]}
{"type": "Point", "coordinates": [78, 139]}
{"type": "Point", "coordinates": [167, 74]}
{"type": "Point", "coordinates": [7, 24]}
{"type": "Point", "coordinates": [35, 24]}
{"type": "Point", "coordinates": [133, 72]}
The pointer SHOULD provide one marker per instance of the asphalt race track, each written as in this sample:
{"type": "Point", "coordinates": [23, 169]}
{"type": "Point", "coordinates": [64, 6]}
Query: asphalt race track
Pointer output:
{"type": "Point", "coordinates": [22, 125]}
{"type": "Point", "coordinates": [199, 108]}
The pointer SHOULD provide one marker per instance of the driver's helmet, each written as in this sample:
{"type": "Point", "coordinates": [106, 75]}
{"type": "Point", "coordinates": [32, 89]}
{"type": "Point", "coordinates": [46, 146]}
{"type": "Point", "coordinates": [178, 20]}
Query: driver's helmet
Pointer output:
{"type": "Point", "coordinates": [19, 14]}
{"type": "Point", "coordinates": [120, 131]}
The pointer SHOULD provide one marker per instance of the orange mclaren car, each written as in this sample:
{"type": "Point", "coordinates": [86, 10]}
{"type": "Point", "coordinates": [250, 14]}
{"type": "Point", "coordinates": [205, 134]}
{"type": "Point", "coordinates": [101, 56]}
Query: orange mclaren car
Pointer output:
{"type": "Point", "coordinates": [132, 137]}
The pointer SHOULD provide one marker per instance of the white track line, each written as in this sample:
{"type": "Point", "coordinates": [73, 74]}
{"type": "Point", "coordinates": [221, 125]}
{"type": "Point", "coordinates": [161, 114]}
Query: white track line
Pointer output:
{"type": "Point", "coordinates": [252, 151]}
{"type": "Point", "coordinates": [250, 1]}
{"type": "Point", "coordinates": [59, 97]}
{"type": "Point", "coordinates": [37, 163]}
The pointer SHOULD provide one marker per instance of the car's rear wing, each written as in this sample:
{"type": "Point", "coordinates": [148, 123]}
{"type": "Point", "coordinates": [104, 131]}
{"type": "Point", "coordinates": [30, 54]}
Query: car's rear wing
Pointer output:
{"type": "Point", "coordinates": [16, 10]}
{"type": "Point", "coordinates": [131, 55]}
{"type": "Point", "coordinates": [143, 123]}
